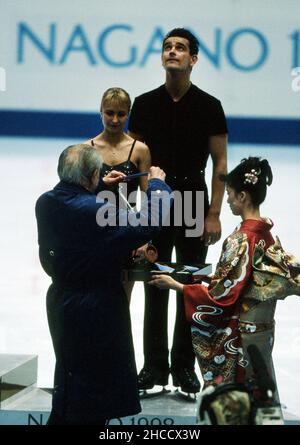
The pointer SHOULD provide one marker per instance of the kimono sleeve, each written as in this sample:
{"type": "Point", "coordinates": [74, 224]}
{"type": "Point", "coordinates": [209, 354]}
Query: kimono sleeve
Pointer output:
{"type": "Point", "coordinates": [231, 276]}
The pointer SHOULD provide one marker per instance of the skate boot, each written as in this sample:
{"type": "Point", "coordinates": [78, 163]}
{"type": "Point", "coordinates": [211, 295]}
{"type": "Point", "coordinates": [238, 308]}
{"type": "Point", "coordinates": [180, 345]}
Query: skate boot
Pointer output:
{"type": "Point", "coordinates": [148, 378]}
{"type": "Point", "coordinates": [186, 381]}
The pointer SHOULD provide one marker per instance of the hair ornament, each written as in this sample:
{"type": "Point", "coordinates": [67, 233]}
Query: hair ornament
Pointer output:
{"type": "Point", "coordinates": [252, 177]}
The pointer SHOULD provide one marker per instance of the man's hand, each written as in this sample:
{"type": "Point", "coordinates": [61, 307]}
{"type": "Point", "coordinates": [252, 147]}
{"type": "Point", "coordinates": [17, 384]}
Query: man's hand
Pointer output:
{"type": "Point", "coordinates": [156, 173]}
{"type": "Point", "coordinates": [139, 254]}
{"type": "Point", "coordinates": [113, 177]}
{"type": "Point", "coordinates": [212, 230]}
{"type": "Point", "coordinates": [165, 282]}
{"type": "Point", "coordinates": [146, 252]}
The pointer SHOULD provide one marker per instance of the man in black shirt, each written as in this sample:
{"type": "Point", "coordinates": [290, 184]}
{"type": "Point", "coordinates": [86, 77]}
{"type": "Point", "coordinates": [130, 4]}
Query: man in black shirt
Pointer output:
{"type": "Point", "coordinates": [182, 125]}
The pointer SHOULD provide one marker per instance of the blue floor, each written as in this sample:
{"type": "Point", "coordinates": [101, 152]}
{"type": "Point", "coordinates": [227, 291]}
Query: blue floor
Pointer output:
{"type": "Point", "coordinates": [28, 168]}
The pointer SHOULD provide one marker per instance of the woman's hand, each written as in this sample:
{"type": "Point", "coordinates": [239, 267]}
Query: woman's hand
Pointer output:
{"type": "Point", "coordinates": [165, 282]}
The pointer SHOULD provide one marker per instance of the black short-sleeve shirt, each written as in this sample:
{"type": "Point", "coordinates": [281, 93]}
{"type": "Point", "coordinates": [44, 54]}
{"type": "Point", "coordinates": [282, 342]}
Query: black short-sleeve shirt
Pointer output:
{"type": "Point", "coordinates": [177, 133]}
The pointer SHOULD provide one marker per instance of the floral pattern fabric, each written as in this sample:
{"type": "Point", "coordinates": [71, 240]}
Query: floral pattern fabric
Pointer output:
{"type": "Point", "coordinates": [214, 311]}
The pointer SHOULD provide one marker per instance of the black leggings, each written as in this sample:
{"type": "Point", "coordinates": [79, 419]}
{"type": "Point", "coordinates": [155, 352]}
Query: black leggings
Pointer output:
{"type": "Point", "coordinates": [156, 354]}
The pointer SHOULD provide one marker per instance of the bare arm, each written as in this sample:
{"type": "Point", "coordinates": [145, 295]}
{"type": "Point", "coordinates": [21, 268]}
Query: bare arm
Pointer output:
{"type": "Point", "coordinates": [218, 152]}
{"type": "Point", "coordinates": [144, 164]}
{"type": "Point", "coordinates": [145, 161]}
{"type": "Point", "coordinates": [165, 282]}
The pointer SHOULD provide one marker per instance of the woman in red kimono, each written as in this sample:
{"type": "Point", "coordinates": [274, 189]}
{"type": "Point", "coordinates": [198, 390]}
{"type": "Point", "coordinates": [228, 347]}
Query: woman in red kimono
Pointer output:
{"type": "Point", "coordinates": [223, 317]}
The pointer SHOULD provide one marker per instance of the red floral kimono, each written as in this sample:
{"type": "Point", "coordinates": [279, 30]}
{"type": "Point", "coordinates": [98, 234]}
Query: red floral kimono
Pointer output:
{"type": "Point", "coordinates": [223, 320]}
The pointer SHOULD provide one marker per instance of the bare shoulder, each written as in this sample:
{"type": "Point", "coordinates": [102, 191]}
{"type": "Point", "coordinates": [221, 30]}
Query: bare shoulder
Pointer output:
{"type": "Point", "coordinates": [97, 139]}
{"type": "Point", "coordinates": [142, 149]}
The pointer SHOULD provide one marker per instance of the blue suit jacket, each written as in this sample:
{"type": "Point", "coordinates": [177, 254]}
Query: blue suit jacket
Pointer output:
{"type": "Point", "coordinates": [88, 314]}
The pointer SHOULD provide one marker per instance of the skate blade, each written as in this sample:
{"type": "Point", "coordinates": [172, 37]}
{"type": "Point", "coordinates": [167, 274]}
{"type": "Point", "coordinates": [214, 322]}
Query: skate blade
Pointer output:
{"type": "Point", "coordinates": [153, 392]}
{"type": "Point", "coordinates": [188, 396]}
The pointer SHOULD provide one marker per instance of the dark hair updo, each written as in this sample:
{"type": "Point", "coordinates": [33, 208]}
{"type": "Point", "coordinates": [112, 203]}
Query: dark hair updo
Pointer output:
{"type": "Point", "coordinates": [251, 175]}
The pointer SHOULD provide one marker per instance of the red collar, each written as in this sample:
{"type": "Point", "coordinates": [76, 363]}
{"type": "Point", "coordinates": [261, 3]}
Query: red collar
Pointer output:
{"type": "Point", "coordinates": [257, 225]}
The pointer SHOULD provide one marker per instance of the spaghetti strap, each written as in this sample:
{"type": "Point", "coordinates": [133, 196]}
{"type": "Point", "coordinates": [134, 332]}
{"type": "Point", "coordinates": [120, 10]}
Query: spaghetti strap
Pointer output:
{"type": "Point", "coordinates": [130, 153]}
{"type": "Point", "coordinates": [92, 142]}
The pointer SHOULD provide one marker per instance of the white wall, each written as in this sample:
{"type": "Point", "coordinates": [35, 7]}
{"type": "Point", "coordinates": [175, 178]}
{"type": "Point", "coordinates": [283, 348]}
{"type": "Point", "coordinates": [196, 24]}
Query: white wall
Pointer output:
{"type": "Point", "coordinates": [78, 48]}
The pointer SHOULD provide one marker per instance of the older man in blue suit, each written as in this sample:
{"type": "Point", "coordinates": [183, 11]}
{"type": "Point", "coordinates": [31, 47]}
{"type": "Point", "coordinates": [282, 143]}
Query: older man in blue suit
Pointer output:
{"type": "Point", "coordinates": [88, 314]}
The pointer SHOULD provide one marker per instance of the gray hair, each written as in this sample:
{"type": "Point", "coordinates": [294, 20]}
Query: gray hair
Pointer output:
{"type": "Point", "coordinates": [77, 163]}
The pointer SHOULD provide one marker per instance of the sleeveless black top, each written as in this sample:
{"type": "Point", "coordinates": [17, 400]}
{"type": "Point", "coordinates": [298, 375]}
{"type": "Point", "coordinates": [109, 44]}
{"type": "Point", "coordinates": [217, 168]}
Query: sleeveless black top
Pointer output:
{"type": "Point", "coordinates": [128, 168]}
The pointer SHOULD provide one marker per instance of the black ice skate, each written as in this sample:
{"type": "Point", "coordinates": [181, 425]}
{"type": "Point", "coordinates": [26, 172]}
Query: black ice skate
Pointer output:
{"type": "Point", "coordinates": [152, 382]}
{"type": "Point", "coordinates": [186, 382]}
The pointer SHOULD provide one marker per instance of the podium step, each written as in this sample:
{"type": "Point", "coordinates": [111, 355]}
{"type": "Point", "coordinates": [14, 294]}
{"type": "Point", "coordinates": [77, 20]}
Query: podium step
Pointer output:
{"type": "Point", "coordinates": [16, 373]}
{"type": "Point", "coordinates": [162, 409]}
{"type": "Point", "coordinates": [32, 407]}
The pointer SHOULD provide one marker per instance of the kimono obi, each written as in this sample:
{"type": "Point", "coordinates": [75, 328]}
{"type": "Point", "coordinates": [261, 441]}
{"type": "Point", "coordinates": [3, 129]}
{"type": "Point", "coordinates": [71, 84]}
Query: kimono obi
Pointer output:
{"type": "Point", "coordinates": [253, 328]}
{"type": "Point", "coordinates": [256, 317]}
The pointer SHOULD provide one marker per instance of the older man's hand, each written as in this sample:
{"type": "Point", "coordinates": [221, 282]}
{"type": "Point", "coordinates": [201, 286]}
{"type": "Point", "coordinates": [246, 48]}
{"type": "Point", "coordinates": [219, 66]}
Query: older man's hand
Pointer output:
{"type": "Point", "coordinates": [156, 173]}
{"type": "Point", "coordinates": [113, 177]}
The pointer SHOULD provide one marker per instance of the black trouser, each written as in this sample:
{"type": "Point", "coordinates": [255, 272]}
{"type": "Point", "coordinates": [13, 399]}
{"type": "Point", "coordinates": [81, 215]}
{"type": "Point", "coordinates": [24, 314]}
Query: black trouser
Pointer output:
{"type": "Point", "coordinates": [189, 250]}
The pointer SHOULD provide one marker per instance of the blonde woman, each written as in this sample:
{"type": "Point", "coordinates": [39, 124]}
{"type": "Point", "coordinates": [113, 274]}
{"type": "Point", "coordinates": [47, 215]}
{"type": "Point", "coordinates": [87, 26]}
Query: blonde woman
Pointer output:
{"type": "Point", "coordinates": [118, 150]}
